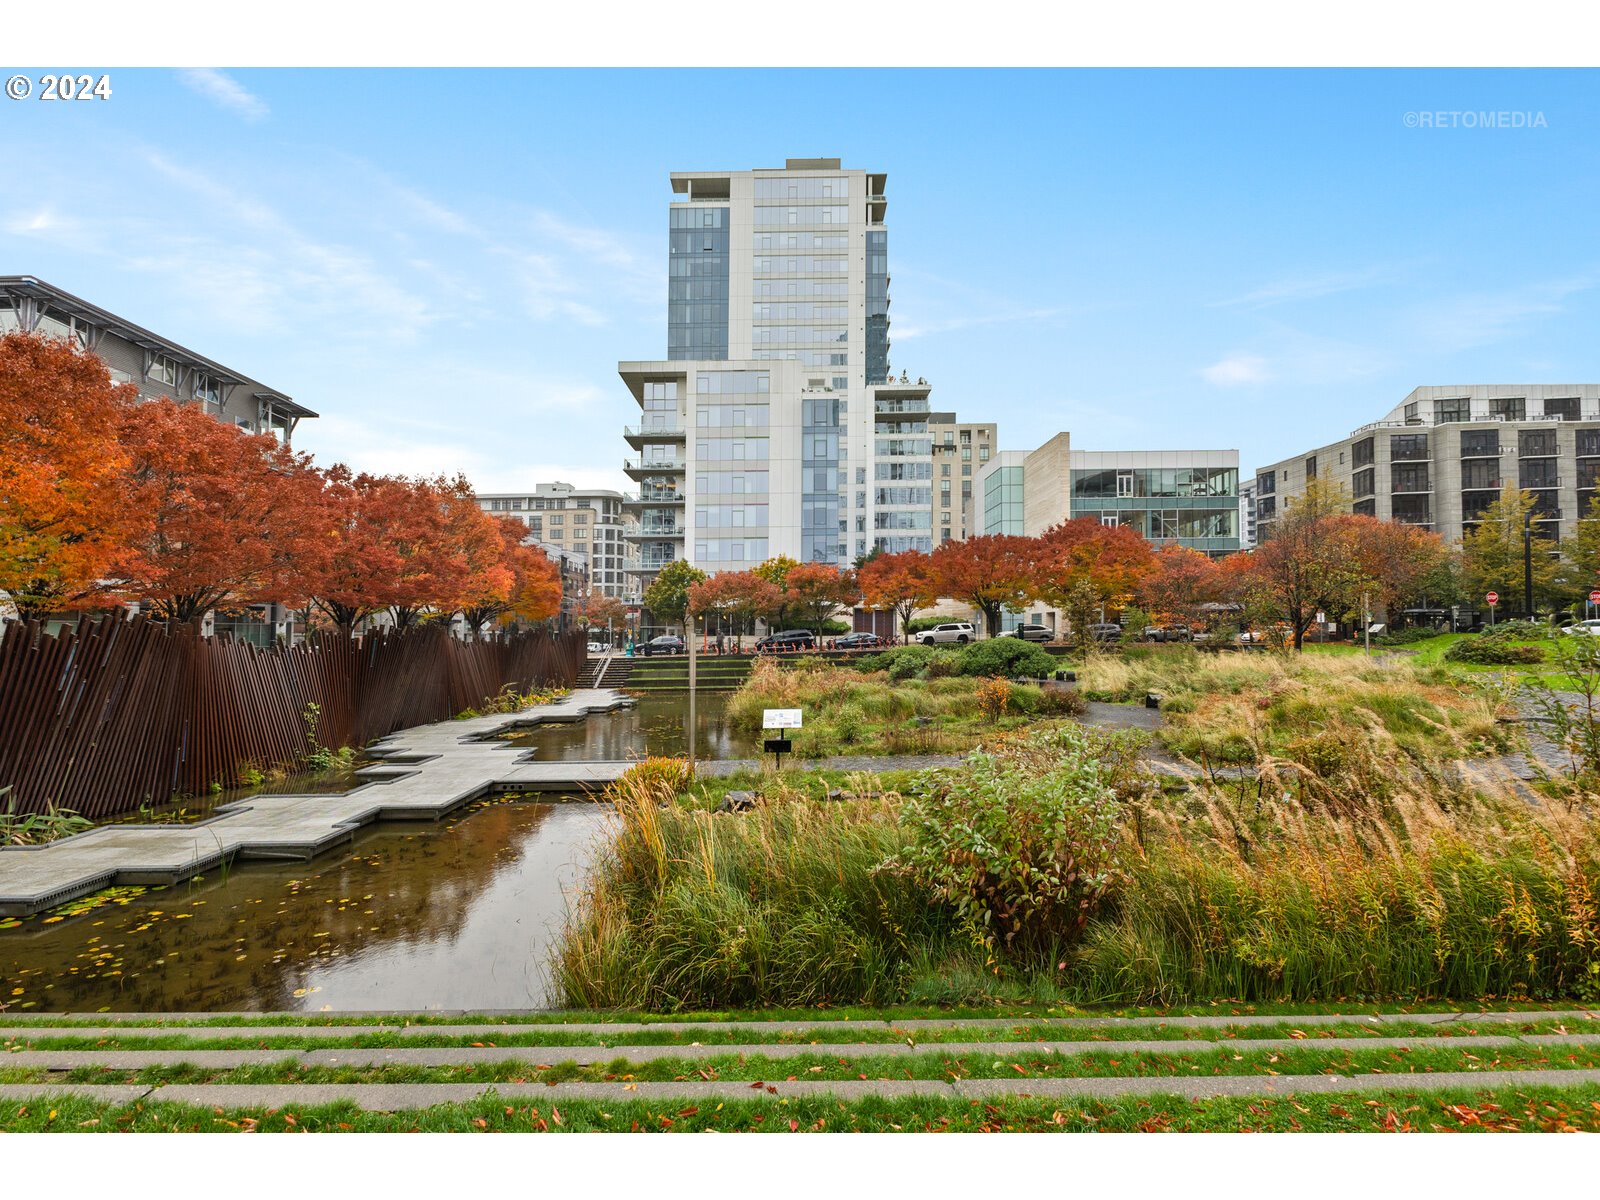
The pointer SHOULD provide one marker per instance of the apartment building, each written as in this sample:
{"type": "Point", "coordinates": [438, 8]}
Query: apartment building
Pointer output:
{"type": "Point", "coordinates": [773, 424]}
{"type": "Point", "coordinates": [157, 366]}
{"type": "Point", "coordinates": [1190, 497]}
{"type": "Point", "coordinates": [600, 525]}
{"type": "Point", "coordinates": [1442, 455]}
{"type": "Point", "coordinates": [960, 450]}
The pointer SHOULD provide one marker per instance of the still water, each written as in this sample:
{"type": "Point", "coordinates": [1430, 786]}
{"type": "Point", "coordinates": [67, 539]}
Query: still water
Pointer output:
{"type": "Point", "coordinates": [462, 914]}
{"type": "Point", "coordinates": [659, 724]}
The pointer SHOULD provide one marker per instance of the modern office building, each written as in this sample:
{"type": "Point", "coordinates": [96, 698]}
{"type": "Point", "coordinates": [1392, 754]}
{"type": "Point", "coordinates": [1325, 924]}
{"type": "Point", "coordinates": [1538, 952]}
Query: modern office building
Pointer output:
{"type": "Point", "coordinates": [1186, 496]}
{"type": "Point", "coordinates": [773, 426]}
{"type": "Point", "coordinates": [959, 451]}
{"type": "Point", "coordinates": [1442, 455]}
{"type": "Point", "coordinates": [1247, 513]}
{"type": "Point", "coordinates": [597, 523]}
{"type": "Point", "coordinates": [157, 366]}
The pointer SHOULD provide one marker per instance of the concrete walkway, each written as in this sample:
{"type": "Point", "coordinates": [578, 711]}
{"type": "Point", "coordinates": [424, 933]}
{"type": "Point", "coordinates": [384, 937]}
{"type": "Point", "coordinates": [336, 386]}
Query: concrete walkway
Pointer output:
{"type": "Point", "coordinates": [425, 773]}
{"type": "Point", "coordinates": [219, 1092]}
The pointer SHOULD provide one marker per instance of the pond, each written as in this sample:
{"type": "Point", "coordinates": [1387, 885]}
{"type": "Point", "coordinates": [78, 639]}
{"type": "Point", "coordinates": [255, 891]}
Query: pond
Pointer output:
{"type": "Point", "coordinates": [462, 914]}
{"type": "Point", "coordinates": [659, 724]}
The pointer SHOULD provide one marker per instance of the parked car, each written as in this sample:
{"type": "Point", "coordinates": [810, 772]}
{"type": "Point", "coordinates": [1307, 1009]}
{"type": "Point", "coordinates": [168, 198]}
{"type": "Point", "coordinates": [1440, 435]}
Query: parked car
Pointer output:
{"type": "Point", "coordinates": [1106, 632]}
{"type": "Point", "coordinates": [1167, 633]}
{"type": "Point", "coordinates": [1590, 626]}
{"type": "Point", "coordinates": [667, 643]}
{"type": "Point", "coordinates": [1028, 631]}
{"type": "Point", "coordinates": [787, 639]}
{"type": "Point", "coordinates": [952, 631]}
{"type": "Point", "coordinates": [598, 648]}
{"type": "Point", "coordinates": [858, 641]}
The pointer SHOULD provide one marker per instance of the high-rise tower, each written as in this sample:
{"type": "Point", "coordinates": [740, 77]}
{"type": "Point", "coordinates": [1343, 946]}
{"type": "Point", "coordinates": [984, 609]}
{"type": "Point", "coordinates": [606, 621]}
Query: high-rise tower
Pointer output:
{"type": "Point", "coordinates": [772, 426]}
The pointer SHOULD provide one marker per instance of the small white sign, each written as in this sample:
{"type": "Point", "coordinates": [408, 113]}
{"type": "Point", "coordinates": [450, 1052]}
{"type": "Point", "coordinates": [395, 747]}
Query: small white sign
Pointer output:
{"type": "Point", "coordinates": [780, 718]}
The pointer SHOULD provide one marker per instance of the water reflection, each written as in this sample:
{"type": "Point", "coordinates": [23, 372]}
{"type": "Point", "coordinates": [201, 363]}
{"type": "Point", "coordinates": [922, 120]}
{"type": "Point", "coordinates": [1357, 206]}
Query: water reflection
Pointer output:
{"type": "Point", "coordinates": [459, 915]}
{"type": "Point", "coordinates": [658, 724]}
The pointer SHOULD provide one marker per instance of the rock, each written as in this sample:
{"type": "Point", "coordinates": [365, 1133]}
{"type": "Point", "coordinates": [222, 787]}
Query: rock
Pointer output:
{"type": "Point", "coordinates": [1152, 699]}
{"type": "Point", "coordinates": [737, 802]}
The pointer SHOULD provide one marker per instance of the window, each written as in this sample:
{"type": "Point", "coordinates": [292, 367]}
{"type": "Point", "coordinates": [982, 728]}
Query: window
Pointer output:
{"type": "Point", "coordinates": [1457, 409]}
{"type": "Point", "coordinates": [208, 390]}
{"type": "Point", "coordinates": [162, 370]}
{"type": "Point", "coordinates": [1588, 443]}
{"type": "Point", "coordinates": [1480, 474]}
{"type": "Point", "coordinates": [1311, 467]}
{"type": "Point", "coordinates": [1411, 414]}
{"type": "Point", "coordinates": [1266, 484]}
{"type": "Point", "coordinates": [1565, 407]}
{"type": "Point", "coordinates": [1363, 453]}
{"type": "Point", "coordinates": [983, 454]}
{"type": "Point", "coordinates": [944, 468]}
{"type": "Point", "coordinates": [1536, 443]}
{"type": "Point", "coordinates": [1480, 443]}
{"type": "Point", "coordinates": [1409, 477]}
{"type": "Point", "coordinates": [1363, 483]}
{"type": "Point", "coordinates": [1511, 408]}
{"type": "Point", "coordinates": [1408, 446]}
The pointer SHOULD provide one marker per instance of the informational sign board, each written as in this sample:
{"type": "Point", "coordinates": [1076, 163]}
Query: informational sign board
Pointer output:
{"type": "Point", "coordinates": [1493, 598]}
{"type": "Point", "coordinates": [780, 718]}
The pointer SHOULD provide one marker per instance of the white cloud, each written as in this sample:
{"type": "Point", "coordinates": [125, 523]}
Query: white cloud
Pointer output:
{"type": "Point", "coordinates": [1310, 287]}
{"type": "Point", "coordinates": [1237, 370]}
{"type": "Point", "coordinates": [904, 331]}
{"type": "Point", "coordinates": [225, 91]}
{"type": "Point", "coordinates": [1481, 318]}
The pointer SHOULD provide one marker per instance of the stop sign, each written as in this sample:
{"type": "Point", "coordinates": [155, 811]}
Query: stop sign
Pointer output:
{"type": "Point", "coordinates": [1493, 597]}
{"type": "Point", "coordinates": [1594, 597]}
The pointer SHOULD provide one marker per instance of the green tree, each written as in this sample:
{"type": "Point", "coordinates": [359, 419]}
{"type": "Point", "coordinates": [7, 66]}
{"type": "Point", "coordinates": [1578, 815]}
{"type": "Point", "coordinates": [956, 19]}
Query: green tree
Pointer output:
{"type": "Point", "coordinates": [1491, 554]}
{"type": "Point", "coordinates": [667, 597]}
{"type": "Point", "coordinates": [1580, 572]}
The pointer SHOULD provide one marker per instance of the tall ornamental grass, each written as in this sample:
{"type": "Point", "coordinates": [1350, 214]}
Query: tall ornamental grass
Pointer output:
{"type": "Point", "coordinates": [1431, 893]}
{"type": "Point", "coordinates": [782, 905]}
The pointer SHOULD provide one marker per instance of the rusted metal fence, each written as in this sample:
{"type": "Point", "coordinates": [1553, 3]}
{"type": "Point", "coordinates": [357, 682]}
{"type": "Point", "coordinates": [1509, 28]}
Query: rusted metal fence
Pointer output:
{"type": "Point", "coordinates": [116, 713]}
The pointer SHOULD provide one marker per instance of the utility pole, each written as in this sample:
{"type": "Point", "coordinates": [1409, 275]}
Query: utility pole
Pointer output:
{"type": "Point", "coordinates": [1366, 622]}
{"type": "Point", "coordinates": [1527, 561]}
{"type": "Point", "coordinates": [689, 643]}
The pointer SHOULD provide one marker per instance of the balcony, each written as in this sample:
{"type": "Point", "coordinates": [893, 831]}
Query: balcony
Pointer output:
{"type": "Point", "coordinates": [1424, 518]}
{"type": "Point", "coordinates": [1493, 485]}
{"type": "Point", "coordinates": [661, 500]}
{"type": "Point", "coordinates": [642, 470]}
{"type": "Point", "coordinates": [638, 435]}
{"type": "Point", "coordinates": [1546, 483]}
{"type": "Point", "coordinates": [644, 532]}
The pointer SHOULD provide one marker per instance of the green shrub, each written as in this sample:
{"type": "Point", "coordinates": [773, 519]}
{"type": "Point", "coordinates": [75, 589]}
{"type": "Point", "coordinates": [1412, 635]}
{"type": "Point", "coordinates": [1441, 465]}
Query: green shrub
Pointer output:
{"type": "Point", "coordinates": [942, 664]}
{"type": "Point", "coordinates": [1007, 656]}
{"type": "Point", "coordinates": [1022, 847]}
{"type": "Point", "coordinates": [1518, 631]}
{"type": "Point", "coordinates": [1493, 651]}
{"type": "Point", "coordinates": [1405, 637]}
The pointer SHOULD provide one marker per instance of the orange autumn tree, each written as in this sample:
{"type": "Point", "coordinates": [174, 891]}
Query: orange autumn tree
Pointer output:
{"type": "Point", "coordinates": [815, 590]}
{"type": "Point", "coordinates": [993, 572]}
{"type": "Point", "coordinates": [738, 596]}
{"type": "Point", "coordinates": [63, 513]}
{"type": "Point", "coordinates": [601, 610]}
{"type": "Point", "coordinates": [901, 583]}
{"type": "Point", "coordinates": [227, 512]}
{"type": "Point", "coordinates": [354, 554]}
{"type": "Point", "coordinates": [1180, 585]}
{"type": "Point", "coordinates": [506, 579]}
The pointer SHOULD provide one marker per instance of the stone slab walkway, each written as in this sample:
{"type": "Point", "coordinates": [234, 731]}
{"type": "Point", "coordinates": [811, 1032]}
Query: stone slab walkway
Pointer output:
{"type": "Point", "coordinates": [425, 773]}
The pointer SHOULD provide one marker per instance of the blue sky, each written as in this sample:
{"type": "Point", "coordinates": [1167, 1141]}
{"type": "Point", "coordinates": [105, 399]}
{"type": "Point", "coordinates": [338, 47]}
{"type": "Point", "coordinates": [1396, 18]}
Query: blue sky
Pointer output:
{"type": "Point", "coordinates": [448, 264]}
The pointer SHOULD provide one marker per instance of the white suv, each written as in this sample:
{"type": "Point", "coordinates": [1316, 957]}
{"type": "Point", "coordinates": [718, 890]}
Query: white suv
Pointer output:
{"type": "Point", "coordinates": [955, 631]}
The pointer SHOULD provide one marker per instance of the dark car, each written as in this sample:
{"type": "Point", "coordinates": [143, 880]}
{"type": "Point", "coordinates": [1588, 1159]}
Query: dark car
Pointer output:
{"type": "Point", "coordinates": [665, 644]}
{"type": "Point", "coordinates": [1106, 632]}
{"type": "Point", "coordinates": [786, 640]}
{"type": "Point", "coordinates": [858, 641]}
{"type": "Point", "coordinates": [1030, 632]}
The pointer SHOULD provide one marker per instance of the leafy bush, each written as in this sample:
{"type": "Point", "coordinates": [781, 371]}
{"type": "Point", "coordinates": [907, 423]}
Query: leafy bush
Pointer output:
{"type": "Point", "coordinates": [1022, 846]}
{"type": "Point", "coordinates": [1008, 656]}
{"type": "Point", "coordinates": [1518, 631]}
{"type": "Point", "coordinates": [1405, 637]}
{"type": "Point", "coordinates": [994, 697]}
{"type": "Point", "coordinates": [1493, 651]}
